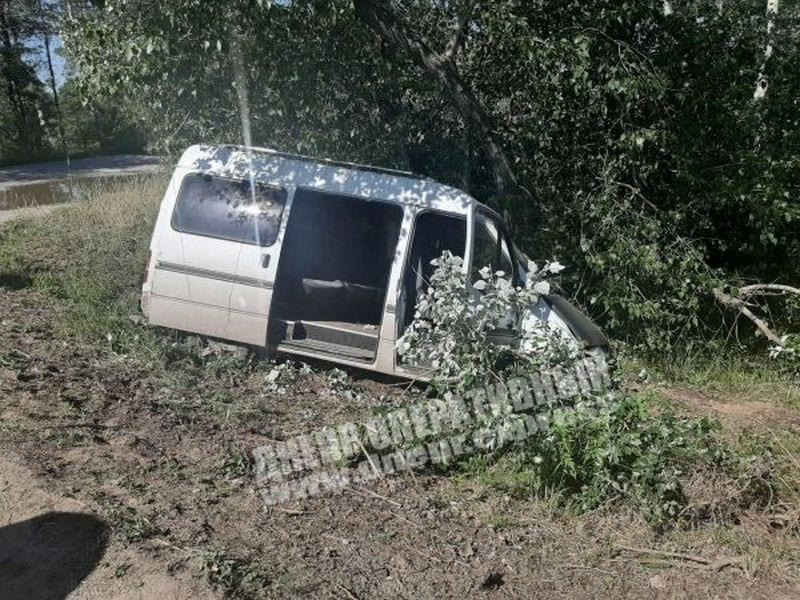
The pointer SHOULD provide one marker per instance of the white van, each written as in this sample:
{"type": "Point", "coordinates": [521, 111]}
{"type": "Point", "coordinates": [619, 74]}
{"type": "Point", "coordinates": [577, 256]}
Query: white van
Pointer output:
{"type": "Point", "coordinates": [313, 257]}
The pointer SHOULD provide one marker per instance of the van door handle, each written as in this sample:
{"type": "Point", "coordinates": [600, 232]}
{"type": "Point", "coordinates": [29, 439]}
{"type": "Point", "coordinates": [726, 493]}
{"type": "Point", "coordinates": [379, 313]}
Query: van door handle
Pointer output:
{"type": "Point", "coordinates": [265, 261]}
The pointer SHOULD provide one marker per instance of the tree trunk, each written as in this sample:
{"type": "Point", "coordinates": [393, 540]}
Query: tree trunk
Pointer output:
{"type": "Point", "coordinates": [54, 87]}
{"type": "Point", "coordinates": [379, 16]}
{"type": "Point", "coordinates": [763, 83]}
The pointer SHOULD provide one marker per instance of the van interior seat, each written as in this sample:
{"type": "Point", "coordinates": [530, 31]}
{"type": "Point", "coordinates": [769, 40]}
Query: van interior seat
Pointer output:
{"type": "Point", "coordinates": [336, 258]}
{"type": "Point", "coordinates": [323, 290]}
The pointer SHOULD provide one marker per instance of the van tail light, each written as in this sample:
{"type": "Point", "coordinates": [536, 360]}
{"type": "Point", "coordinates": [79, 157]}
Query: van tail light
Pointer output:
{"type": "Point", "coordinates": [147, 266]}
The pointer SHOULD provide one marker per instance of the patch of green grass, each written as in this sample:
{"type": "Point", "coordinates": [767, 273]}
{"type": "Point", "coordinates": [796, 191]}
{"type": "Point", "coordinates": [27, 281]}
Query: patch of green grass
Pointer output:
{"type": "Point", "coordinates": [64, 437]}
{"type": "Point", "coordinates": [126, 522]}
{"type": "Point", "coordinates": [90, 258]}
{"type": "Point", "coordinates": [753, 377]}
{"type": "Point", "coordinates": [9, 427]}
{"type": "Point", "coordinates": [636, 451]}
{"type": "Point", "coordinates": [501, 522]}
{"type": "Point", "coordinates": [744, 379]}
{"type": "Point", "coordinates": [15, 237]}
{"type": "Point", "coordinates": [121, 570]}
{"type": "Point", "coordinates": [238, 577]}
{"type": "Point", "coordinates": [237, 463]}
{"type": "Point", "coordinates": [784, 446]}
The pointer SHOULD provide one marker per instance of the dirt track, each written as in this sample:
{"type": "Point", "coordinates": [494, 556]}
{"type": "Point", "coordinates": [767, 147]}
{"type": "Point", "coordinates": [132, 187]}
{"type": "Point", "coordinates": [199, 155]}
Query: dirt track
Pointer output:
{"type": "Point", "coordinates": [159, 463]}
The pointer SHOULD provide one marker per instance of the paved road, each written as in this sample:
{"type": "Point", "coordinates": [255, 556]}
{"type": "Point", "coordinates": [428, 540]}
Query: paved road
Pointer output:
{"type": "Point", "coordinates": [20, 176]}
{"type": "Point", "coordinates": [97, 166]}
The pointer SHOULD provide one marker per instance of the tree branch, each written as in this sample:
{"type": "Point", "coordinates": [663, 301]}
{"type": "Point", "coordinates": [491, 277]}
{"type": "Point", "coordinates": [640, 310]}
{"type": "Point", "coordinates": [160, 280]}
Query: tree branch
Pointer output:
{"type": "Point", "coordinates": [762, 289]}
{"type": "Point", "coordinates": [381, 18]}
{"type": "Point", "coordinates": [738, 304]}
{"type": "Point", "coordinates": [454, 44]}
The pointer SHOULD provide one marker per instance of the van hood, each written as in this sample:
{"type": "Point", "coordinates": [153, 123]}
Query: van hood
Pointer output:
{"type": "Point", "coordinates": [560, 314]}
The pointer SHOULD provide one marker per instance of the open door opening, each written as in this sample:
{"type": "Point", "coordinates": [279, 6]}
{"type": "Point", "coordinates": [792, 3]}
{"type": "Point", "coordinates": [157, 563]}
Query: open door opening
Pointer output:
{"type": "Point", "coordinates": [334, 270]}
{"type": "Point", "coordinates": [434, 233]}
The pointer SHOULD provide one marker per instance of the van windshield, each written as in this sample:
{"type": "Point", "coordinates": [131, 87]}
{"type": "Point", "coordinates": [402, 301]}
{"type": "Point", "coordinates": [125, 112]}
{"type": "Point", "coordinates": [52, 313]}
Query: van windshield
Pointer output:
{"type": "Point", "coordinates": [229, 209]}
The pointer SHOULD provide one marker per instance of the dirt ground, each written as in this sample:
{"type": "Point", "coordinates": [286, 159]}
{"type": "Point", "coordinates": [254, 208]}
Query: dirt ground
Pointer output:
{"type": "Point", "coordinates": [51, 545]}
{"type": "Point", "coordinates": [105, 459]}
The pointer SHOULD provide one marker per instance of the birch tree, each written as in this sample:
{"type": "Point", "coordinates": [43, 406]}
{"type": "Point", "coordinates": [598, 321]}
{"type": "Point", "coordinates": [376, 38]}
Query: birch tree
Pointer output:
{"type": "Point", "coordinates": [763, 82]}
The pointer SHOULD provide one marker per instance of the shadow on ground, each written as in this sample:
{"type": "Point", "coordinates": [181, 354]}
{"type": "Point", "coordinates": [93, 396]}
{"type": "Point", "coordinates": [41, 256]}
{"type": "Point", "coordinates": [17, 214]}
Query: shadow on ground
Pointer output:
{"type": "Point", "coordinates": [48, 556]}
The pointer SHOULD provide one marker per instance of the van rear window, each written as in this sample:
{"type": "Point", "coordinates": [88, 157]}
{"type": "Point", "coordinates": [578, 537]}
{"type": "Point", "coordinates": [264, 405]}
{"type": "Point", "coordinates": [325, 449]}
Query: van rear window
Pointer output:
{"type": "Point", "coordinates": [229, 209]}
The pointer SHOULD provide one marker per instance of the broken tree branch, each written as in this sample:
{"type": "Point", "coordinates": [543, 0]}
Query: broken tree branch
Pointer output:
{"type": "Point", "coordinates": [715, 565]}
{"type": "Point", "coordinates": [763, 289]}
{"type": "Point", "coordinates": [739, 304]}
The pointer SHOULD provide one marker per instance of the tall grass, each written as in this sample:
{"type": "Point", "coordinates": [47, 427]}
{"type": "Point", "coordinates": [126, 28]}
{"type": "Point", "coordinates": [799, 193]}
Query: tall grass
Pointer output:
{"type": "Point", "coordinates": [91, 257]}
{"type": "Point", "coordinates": [742, 375]}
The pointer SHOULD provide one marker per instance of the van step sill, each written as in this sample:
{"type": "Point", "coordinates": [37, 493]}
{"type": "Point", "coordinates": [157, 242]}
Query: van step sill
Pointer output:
{"type": "Point", "coordinates": [338, 334]}
{"type": "Point", "coordinates": [327, 348]}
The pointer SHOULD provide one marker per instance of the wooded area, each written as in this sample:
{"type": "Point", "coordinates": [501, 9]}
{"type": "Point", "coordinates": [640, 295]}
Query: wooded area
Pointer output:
{"type": "Point", "coordinates": [43, 116]}
{"type": "Point", "coordinates": [624, 138]}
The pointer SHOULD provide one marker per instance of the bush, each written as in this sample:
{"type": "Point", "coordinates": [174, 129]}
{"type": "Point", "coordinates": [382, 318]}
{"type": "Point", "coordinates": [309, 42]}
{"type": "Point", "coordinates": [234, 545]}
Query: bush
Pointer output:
{"type": "Point", "coordinates": [594, 450]}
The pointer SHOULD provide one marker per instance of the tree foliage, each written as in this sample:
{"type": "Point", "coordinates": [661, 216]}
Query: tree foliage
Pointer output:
{"type": "Point", "coordinates": [646, 162]}
{"type": "Point", "coordinates": [42, 118]}
{"type": "Point", "coordinates": [24, 104]}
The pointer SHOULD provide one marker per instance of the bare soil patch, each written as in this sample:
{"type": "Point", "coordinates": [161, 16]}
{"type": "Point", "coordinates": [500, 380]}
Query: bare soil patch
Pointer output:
{"type": "Point", "coordinates": [734, 408]}
{"type": "Point", "coordinates": [52, 546]}
{"type": "Point", "coordinates": [161, 459]}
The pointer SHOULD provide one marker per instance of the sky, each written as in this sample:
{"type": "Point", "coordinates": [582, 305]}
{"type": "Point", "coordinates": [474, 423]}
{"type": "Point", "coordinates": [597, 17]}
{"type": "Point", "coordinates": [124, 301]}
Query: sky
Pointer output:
{"type": "Point", "coordinates": [59, 64]}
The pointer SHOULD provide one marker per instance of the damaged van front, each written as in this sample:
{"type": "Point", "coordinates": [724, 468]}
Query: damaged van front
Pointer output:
{"type": "Point", "coordinates": [490, 245]}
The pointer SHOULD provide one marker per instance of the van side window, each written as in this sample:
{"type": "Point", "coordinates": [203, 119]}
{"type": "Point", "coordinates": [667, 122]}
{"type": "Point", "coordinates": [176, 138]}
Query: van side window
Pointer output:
{"type": "Point", "coordinates": [229, 209]}
{"type": "Point", "coordinates": [433, 234]}
{"type": "Point", "coordinates": [491, 248]}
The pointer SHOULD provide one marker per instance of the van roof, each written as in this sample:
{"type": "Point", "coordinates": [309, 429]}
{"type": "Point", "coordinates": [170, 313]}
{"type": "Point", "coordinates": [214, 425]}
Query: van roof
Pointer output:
{"type": "Point", "coordinates": [368, 182]}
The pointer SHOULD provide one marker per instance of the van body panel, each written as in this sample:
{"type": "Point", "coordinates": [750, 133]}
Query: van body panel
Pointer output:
{"type": "Point", "coordinates": [205, 285]}
{"type": "Point", "coordinates": [190, 284]}
{"type": "Point", "coordinates": [187, 316]}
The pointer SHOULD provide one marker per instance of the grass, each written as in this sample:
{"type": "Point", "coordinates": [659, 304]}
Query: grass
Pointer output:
{"type": "Point", "coordinates": [90, 258]}
{"type": "Point", "coordinates": [765, 407]}
{"type": "Point", "coordinates": [751, 376]}
{"type": "Point", "coordinates": [238, 577]}
{"type": "Point", "coordinates": [126, 523]}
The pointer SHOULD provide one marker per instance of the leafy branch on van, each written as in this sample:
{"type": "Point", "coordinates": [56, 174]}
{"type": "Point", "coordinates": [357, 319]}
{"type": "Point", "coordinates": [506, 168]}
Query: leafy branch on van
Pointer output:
{"type": "Point", "coordinates": [594, 450]}
{"type": "Point", "coordinates": [453, 323]}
